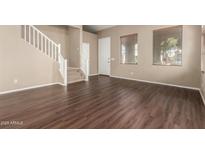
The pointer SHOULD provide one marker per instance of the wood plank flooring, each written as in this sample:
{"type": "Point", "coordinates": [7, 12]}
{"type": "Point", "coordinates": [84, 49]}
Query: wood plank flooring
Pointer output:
{"type": "Point", "coordinates": [103, 102]}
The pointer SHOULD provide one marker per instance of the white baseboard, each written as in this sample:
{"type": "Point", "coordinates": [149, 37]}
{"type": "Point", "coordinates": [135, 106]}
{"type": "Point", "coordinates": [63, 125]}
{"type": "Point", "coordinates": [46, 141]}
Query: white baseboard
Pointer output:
{"type": "Point", "coordinates": [202, 96]}
{"type": "Point", "coordinates": [31, 87]}
{"type": "Point", "coordinates": [93, 74]}
{"type": "Point", "coordinates": [59, 83]}
{"type": "Point", "coordinates": [166, 84]}
{"type": "Point", "coordinates": [76, 81]}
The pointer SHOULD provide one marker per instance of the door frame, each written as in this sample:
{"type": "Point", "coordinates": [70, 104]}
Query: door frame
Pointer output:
{"type": "Point", "coordinates": [109, 64]}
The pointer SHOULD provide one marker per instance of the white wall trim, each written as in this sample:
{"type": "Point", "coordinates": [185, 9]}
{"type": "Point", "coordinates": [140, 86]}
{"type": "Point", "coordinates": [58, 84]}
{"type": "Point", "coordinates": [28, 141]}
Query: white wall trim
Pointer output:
{"type": "Point", "coordinates": [166, 84]}
{"type": "Point", "coordinates": [59, 83]}
{"type": "Point", "coordinates": [202, 96]}
{"type": "Point", "coordinates": [31, 87]}
{"type": "Point", "coordinates": [93, 74]}
{"type": "Point", "coordinates": [76, 81]}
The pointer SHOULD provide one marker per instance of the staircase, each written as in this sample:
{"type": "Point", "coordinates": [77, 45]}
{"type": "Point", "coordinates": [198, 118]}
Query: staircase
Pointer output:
{"type": "Point", "coordinates": [43, 43]}
{"type": "Point", "coordinates": [75, 75]}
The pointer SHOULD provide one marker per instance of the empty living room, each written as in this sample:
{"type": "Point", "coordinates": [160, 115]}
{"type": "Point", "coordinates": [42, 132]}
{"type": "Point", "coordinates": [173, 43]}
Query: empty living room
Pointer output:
{"type": "Point", "coordinates": [102, 76]}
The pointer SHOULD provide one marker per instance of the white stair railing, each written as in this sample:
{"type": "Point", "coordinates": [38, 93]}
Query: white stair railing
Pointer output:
{"type": "Point", "coordinates": [39, 40]}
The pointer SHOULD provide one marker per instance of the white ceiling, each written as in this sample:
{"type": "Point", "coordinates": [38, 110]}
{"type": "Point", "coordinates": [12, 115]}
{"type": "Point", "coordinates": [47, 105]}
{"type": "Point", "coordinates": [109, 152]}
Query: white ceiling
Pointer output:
{"type": "Point", "coordinates": [96, 28]}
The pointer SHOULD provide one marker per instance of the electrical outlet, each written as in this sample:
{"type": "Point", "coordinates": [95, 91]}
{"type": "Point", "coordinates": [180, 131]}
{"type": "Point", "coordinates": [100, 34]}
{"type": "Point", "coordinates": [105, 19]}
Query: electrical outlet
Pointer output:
{"type": "Point", "coordinates": [15, 81]}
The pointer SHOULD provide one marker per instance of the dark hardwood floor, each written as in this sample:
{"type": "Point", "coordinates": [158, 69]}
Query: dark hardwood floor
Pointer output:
{"type": "Point", "coordinates": [103, 102]}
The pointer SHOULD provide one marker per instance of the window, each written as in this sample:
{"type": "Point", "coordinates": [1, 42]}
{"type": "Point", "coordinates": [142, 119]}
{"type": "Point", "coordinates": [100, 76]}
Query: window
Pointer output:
{"type": "Point", "coordinates": [167, 49]}
{"type": "Point", "coordinates": [129, 49]}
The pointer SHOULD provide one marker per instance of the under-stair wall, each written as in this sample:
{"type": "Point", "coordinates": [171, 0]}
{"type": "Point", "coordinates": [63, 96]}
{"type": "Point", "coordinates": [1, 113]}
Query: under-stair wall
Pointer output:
{"type": "Point", "coordinates": [74, 47]}
{"type": "Point", "coordinates": [22, 65]}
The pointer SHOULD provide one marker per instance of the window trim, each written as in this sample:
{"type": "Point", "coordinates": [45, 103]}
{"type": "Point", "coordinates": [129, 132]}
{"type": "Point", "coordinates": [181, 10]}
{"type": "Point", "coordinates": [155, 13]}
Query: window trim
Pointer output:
{"type": "Point", "coordinates": [121, 36]}
{"type": "Point", "coordinates": [162, 28]}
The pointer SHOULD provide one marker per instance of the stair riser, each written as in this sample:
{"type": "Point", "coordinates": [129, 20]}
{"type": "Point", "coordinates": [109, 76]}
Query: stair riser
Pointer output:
{"type": "Point", "coordinates": [75, 75]}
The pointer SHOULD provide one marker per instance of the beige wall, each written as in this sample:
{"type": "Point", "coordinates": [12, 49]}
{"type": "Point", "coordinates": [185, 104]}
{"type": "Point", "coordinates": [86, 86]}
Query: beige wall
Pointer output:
{"type": "Point", "coordinates": [92, 39]}
{"type": "Point", "coordinates": [74, 47]}
{"type": "Point", "coordinates": [203, 63]}
{"type": "Point", "coordinates": [22, 62]}
{"type": "Point", "coordinates": [186, 75]}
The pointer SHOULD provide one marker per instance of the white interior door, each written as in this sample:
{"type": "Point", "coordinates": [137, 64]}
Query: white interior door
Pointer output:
{"type": "Point", "coordinates": [84, 60]}
{"type": "Point", "coordinates": [104, 56]}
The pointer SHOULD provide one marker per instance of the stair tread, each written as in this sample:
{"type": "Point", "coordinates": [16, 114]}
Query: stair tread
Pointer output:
{"type": "Point", "coordinates": [75, 76]}
{"type": "Point", "coordinates": [72, 69]}
{"type": "Point", "coordinates": [74, 73]}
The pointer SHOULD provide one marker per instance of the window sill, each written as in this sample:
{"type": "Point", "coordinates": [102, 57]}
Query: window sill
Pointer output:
{"type": "Point", "coordinates": [129, 63]}
{"type": "Point", "coordinates": [165, 65]}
